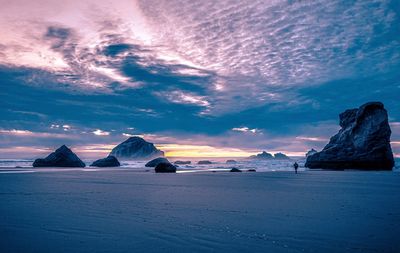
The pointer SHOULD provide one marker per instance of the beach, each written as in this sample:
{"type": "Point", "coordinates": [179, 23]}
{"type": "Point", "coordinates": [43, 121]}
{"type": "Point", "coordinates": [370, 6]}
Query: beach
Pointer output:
{"type": "Point", "coordinates": [129, 211]}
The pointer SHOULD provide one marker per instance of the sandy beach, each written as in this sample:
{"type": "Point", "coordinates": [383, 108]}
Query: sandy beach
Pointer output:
{"type": "Point", "coordinates": [126, 211]}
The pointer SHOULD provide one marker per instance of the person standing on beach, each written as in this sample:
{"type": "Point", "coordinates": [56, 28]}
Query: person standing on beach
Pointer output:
{"type": "Point", "coordinates": [296, 166]}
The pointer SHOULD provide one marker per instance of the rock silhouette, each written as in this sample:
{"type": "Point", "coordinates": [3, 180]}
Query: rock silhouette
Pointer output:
{"type": "Point", "coordinates": [109, 161]}
{"type": "Point", "coordinates": [231, 161]}
{"type": "Point", "coordinates": [182, 162]}
{"type": "Point", "coordinates": [311, 152]}
{"type": "Point", "coordinates": [281, 156]}
{"type": "Point", "coordinates": [62, 157]}
{"type": "Point", "coordinates": [155, 162]}
{"type": "Point", "coordinates": [204, 162]}
{"type": "Point", "coordinates": [363, 142]}
{"type": "Point", "coordinates": [263, 155]}
{"type": "Point", "coordinates": [165, 168]}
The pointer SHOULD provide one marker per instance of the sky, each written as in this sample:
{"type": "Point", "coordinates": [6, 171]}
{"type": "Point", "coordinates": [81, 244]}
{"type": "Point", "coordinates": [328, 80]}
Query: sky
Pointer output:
{"type": "Point", "coordinates": [198, 78]}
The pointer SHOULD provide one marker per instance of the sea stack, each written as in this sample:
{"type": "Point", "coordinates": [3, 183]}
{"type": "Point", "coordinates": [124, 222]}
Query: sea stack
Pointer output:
{"type": "Point", "coordinates": [263, 155]}
{"type": "Point", "coordinates": [136, 148]}
{"type": "Point", "coordinates": [62, 157]}
{"type": "Point", "coordinates": [363, 142]}
{"type": "Point", "coordinates": [281, 156]}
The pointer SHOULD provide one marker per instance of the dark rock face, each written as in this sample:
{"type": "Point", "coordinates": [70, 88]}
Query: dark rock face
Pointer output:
{"type": "Point", "coordinates": [62, 157]}
{"type": "Point", "coordinates": [281, 156]}
{"type": "Point", "coordinates": [263, 155]}
{"type": "Point", "coordinates": [204, 162]}
{"type": "Point", "coordinates": [155, 162]}
{"type": "Point", "coordinates": [311, 152]}
{"type": "Point", "coordinates": [165, 168]}
{"type": "Point", "coordinates": [251, 170]}
{"type": "Point", "coordinates": [363, 142]}
{"type": "Point", "coordinates": [136, 148]}
{"type": "Point", "coordinates": [182, 162]}
{"type": "Point", "coordinates": [231, 161]}
{"type": "Point", "coordinates": [109, 161]}
{"type": "Point", "coordinates": [235, 170]}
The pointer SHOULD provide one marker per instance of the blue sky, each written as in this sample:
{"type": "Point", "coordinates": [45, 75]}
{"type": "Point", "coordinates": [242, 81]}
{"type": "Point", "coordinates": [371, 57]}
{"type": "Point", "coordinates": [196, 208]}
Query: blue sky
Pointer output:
{"type": "Point", "coordinates": [235, 77]}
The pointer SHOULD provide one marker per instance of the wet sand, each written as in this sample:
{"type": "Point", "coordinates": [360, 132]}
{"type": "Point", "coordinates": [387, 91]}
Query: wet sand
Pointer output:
{"type": "Point", "coordinates": [127, 211]}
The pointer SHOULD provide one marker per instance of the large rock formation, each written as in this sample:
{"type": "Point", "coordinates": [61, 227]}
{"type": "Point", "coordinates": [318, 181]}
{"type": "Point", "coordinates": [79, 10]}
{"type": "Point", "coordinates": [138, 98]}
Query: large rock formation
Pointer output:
{"type": "Point", "coordinates": [109, 161]}
{"type": "Point", "coordinates": [62, 157]}
{"type": "Point", "coordinates": [136, 148]}
{"type": "Point", "coordinates": [263, 155]}
{"type": "Point", "coordinates": [363, 142]}
{"type": "Point", "coordinates": [165, 168]}
{"type": "Point", "coordinates": [155, 162]}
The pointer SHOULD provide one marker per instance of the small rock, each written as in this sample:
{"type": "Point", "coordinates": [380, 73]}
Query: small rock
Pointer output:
{"type": "Point", "coordinates": [165, 168]}
{"type": "Point", "coordinates": [155, 162]}
{"type": "Point", "coordinates": [231, 161]}
{"type": "Point", "coordinates": [182, 162]}
{"type": "Point", "coordinates": [109, 161]}
{"type": "Point", "coordinates": [204, 162]}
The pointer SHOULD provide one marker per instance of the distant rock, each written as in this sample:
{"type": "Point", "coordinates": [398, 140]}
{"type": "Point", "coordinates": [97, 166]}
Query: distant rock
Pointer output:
{"type": "Point", "coordinates": [204, 162]}
{"type": "Point", "coordinates": [165, 168]}
{"type": "Point", "coordinates": [136, 148]}
{"type": "Point", "coordinates": [363, 142]}
{"type": "Point", "coordinates": [62, 157]}
{"type": "Point", "coordinates": [311, 152]}
{"type": "Point", "coordinates": [231, 161]}
{"type": "Point", "coordinates": [281, 156]}
{"type": "Point", "coordinates": [109, 161]}
{"type": "Point", "coordinates": [263, 155]}
{"type": "Point", "coordinates": [182, 162]}
{"type": "Point", "coordinates": [155, 162]}
{"type": "Point", "coordinates": [235, 170]}
{"type": "Point", "coordinates": [251, 170]}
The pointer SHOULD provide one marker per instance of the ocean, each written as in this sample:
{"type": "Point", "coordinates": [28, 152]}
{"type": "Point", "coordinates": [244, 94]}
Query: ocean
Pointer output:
{"type": "Point", "coordinates": [218, 164]}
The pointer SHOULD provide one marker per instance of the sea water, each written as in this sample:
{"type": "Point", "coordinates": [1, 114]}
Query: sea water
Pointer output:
{"type": "Point", "coordinates": [217, 164]}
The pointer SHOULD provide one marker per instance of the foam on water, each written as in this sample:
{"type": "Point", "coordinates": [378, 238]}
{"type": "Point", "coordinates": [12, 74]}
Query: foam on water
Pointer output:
{"type": "Point", "coordinates": [218, 164]}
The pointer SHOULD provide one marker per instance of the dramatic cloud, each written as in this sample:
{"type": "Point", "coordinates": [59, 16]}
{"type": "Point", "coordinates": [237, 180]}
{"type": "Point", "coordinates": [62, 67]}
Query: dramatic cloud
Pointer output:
{"type": "Point", "coordinates": [238, 74]}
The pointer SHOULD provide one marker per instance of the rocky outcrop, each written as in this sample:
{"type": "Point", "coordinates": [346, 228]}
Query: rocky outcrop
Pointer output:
{"type": "Point", "coordinates": [155, 162]}
{"type": "Point", "coordinates": [281, 156]}
{"type": "Point", "coordinates": [137, 149]}
{"type": "Point", "coordinates": [109, 161]}
{"type": "Point", "coordinates": [263, 155]}
{"type": "Point", "coordinates": [182, 162]}
{"type": "Point", "coordinates": [231, 161]}
{"type": "Point", "coordinates": [235, 170]}
{"type": "Point", "coordinates": [363, 142]}
{"type": "Point", "coordinates": [204, 162]}
{"type": "Point", "coordinates": [62, 157]}
{"type": "Point", "coordinates": [311, 152]}
{"type": "Point", "coordinates": [165, 168]}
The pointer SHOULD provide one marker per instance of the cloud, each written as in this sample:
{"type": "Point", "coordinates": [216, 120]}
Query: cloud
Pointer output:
{"type": "Point", "coordinates": [246, 129]}
{"type": "Point", "coordinates": [210, 71]}
{"type": "Point", "coordinates": [100, 132]}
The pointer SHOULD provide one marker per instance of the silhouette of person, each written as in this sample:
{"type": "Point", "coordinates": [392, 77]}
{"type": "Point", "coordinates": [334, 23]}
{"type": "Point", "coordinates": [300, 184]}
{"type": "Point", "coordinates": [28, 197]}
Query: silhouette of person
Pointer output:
{"type": "Point", "coordinates": [296, 166]}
